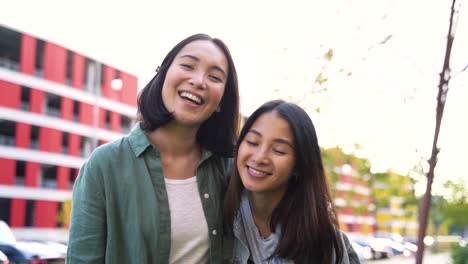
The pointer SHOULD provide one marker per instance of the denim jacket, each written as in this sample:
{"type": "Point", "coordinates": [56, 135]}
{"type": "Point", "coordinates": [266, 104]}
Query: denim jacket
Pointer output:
{"type": "Point", "coordinates": [237, 250]}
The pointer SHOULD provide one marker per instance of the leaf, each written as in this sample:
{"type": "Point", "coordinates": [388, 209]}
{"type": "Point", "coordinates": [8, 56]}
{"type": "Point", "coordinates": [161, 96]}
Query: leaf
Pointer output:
{"type": "Point", "coordinates": [329, 55]}
{"type": "Point", "coordinates": [320, 79]}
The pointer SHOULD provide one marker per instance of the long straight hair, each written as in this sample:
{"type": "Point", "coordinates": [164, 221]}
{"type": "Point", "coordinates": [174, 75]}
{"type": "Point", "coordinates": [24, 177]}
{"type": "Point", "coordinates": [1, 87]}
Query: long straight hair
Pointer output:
{"type": "Point", "coordinates": [306, 214]}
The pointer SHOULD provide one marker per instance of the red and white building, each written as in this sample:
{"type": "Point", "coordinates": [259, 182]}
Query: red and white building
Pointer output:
{"type": "Point", "coordinates": [56, 106]}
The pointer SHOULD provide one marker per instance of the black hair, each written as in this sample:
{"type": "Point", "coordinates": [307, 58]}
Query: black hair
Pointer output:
{"type": "Point", "coordinates": [219, 132]}
{"type": "Point", "coordinates": [306, 214]}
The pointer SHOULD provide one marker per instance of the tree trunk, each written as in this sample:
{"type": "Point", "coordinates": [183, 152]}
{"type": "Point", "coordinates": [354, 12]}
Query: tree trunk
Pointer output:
{"type": "Point", "coordinates": [441, 98]}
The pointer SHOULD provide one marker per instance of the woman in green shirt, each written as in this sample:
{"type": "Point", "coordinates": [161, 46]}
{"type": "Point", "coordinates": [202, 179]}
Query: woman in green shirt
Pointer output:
{"type": "Point", "coordinates": [155, 195]}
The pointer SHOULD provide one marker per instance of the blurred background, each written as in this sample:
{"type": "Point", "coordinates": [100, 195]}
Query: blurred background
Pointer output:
{"type": "Point", "coordinates": [366, 71]}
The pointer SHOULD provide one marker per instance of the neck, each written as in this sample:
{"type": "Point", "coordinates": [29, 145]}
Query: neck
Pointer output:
{"type": "Point", "coordinates": [174, 140]}
{"type": "Point", "coordinates": [262, 206]}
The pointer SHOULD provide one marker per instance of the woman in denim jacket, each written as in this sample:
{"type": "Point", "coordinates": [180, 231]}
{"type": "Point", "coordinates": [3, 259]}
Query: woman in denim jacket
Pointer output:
{"type": "Point", "coordinates": [278, 207]}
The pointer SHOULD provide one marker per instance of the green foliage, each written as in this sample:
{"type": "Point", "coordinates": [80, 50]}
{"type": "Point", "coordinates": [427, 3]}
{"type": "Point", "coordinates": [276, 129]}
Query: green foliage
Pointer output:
{"type": "Point", "coordinates": [329, 55]}
{"type": "Point", "coordinates": [320, 79]}
{"type": "Point", "coordinates": [459, 255]}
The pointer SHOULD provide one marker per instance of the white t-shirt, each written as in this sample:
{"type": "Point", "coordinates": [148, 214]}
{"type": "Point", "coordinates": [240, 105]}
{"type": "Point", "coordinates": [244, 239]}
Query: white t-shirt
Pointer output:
{"type": "Point", "coordinates": [189, 230]}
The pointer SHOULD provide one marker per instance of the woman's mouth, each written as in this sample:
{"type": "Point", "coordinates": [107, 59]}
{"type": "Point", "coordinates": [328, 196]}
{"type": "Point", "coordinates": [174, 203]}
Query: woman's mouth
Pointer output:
{"type": "Point", "coordinates": [191, 98]}
{"type": "Point", "coordinates": [257, 173]}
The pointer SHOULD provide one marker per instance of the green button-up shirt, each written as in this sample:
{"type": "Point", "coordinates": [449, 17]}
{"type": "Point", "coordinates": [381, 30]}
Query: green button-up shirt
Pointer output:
{"type": "Point", "coordinates": [120, 207]}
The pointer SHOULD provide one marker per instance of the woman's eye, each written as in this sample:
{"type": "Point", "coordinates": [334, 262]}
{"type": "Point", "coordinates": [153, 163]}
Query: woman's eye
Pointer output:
{"type": "Point", "coordinates": [216, 78]}
{"type": "Point", "coordinates": [187, 66]}
{"type": "Point", "coordinates": [279, 152]}
{"type": "Point", "coordinates": [251, 143]}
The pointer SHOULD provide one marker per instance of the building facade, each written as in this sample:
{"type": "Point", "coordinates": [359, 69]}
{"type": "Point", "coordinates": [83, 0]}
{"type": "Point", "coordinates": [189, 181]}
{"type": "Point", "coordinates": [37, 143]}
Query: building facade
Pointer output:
{"type": "Point", "coordinates": [56, 106]}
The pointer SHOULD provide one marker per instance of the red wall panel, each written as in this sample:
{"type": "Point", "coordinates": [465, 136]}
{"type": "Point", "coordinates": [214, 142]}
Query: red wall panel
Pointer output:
{"type": "Point", "coordinates": [28, 54]}
{"type": "Point", "coordinates": [23, 135]}
{"type": "Point", "coordinates": [86, 114]}
{"type": "Point", "coordinates": [45, 214]}
{"type": "Point", "coordinates": [115, 121]}
{"type": "Point", "coordinates": [17, 212]}
{"type": "Point", "coordinates": [67, 108]}
{"type": "Point", "coordinates": [78, 71]}
{"type": "Point", "coordinates": [74, 145]}
{"type": "Point", "coordinates": [31, 178]}
{"type": "Point", "coordinates": [50, 140]}
{"type": "Point", "coordinates": [129, 89]}
{"type": "Point", "coordinates": [36, 101]}
{"type": "Point", "coordinates": [63, 178]}
{"type": "Point", "coordinates": [109, 75]}
{"type": "Point", "coordinates": [7, 171]}
{"type": "Point", "coordinates": [102, 118]}
{"type": "Point", "coordinates": [10, 94]}
{"type": "Point", "coordinates": [55, 62]}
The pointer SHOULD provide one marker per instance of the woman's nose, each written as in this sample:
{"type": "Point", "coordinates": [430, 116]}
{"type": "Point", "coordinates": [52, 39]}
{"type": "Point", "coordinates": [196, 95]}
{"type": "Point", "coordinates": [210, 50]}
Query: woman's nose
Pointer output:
{"type": "Point", "coordinates": [261, 156]}
{"type": "Point", "coordinates": [198, 80]}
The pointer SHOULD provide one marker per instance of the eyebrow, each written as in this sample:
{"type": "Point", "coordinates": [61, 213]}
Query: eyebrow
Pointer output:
{"type": "Point", "coordinates": [198, 60]}
{"type": "Point", "coordinates": [278, 140]}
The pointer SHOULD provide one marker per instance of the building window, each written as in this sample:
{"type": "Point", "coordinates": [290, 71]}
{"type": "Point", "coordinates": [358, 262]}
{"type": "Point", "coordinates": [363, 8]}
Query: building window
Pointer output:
{"type": "Point", "coordinates": [52, 103]}
{"type": "Point", "coordinates": [10, 44]}
{"type": "Point", "coordinates": [126, 124]}
{"type": "Point", "coordinates": [69, 67]}
{"type": "Point", "coordinates": [25, 95]}
{"type": "Point", "coordinates": [92, 77]}
{"type": "Point", "coordinates": [34, 137]}
{"type": "Point", "coordinates": [20, 172]}
{"type": "Point", "coordinates": [86, 146]}
{"type": "Point", "coordinates": [107, 120]}
{"type": "Point", "coordinates": [29, 221]}
{"type": "Point", "coordinates": [7, 132]}
{"type": "Point", "coordinates": [102, 74]}
{"type": "Point", "coordinates": [5, 209]}
{"type": "Point", "coordinates": [76, 111]}
{"type": "Point", "coordinates": [73, 175]}
{"type": "Point", "coordinates": [65, 143]}
{"type": "Point", "coordinates": [48, 177]}
{"type": "Point", "coordinates": [39, 70]}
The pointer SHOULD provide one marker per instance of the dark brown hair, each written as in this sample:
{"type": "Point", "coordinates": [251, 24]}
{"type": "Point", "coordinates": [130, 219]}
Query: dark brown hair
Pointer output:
{"type": "Point", "coordinates": [219, 132]}
{"type": "Point", "coordinates": [306, 214]}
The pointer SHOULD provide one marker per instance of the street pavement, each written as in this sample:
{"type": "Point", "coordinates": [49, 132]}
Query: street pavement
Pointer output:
{"type": "Point", "coordinates": [440, 258]}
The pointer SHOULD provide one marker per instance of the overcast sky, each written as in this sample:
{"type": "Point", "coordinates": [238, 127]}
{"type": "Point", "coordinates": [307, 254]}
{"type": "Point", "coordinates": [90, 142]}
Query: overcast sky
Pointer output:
{"type": "Point", "coordinates": [381, 96]}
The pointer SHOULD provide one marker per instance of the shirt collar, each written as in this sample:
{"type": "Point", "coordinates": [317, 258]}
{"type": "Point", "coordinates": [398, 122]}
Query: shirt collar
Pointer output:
{"type": "Point", "coordinates": [138, 140]}
{"type": "Point", "coordinates": [139, 143]}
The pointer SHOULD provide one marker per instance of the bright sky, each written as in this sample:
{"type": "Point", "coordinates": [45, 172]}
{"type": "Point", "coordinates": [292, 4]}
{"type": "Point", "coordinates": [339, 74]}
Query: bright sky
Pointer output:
{"type": "Point", "coordinates": [386, 104]}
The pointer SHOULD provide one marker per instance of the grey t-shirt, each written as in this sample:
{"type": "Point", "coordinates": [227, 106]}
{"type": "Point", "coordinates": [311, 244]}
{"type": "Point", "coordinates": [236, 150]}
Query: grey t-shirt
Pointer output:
{"type": "Point", "coordinates": [260, 248]}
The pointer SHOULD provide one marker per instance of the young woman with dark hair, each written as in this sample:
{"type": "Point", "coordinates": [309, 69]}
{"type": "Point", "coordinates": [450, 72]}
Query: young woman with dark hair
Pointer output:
{"type": "Point", "coordinates": [155, 196]}
{"type": "Point", "coordinates": [278, 205]}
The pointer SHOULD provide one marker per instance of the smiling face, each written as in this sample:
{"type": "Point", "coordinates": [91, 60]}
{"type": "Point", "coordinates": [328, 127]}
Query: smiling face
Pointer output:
{"type": "Point", "coordinates": [195, 82]}
{"type": "Point", "coordinates": [266, 157]}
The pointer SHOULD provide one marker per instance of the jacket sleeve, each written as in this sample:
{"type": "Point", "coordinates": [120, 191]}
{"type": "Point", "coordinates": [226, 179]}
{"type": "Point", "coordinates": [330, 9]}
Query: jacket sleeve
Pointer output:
{"type": "Point", "coordinates": [87, 238]}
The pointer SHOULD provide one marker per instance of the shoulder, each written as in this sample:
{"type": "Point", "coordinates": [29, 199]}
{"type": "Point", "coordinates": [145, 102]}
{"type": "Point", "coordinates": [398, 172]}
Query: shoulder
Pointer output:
{"type": "Point", "coordinates": [349, 255]}
{"type": "Point", "coordinates": [109, 152]}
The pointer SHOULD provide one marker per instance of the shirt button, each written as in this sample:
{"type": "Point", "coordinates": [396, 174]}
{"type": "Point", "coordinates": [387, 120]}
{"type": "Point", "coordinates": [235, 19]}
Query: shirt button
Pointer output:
{"type": "Point", "coordinates": [206, 196]}
{"type": "Point", "coordinates": [214, 232]}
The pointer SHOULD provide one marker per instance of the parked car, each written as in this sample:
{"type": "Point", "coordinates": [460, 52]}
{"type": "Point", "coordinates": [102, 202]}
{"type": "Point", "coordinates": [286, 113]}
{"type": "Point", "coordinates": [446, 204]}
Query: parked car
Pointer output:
{"type": "Point", "coordinates": [363, 252]}
{"type": "Point", "coordinates": [58, 247]}
{"type": "Point", "coordinates": [3, 258]}
{"type": "Point", "coordinates": [26, 251]}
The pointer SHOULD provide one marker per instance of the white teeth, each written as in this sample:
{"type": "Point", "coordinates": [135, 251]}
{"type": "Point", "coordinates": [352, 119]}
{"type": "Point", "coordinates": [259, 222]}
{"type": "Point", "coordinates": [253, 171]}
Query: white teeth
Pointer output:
{"type": "Point", "coordinates": [192, 97]}
{"type": "Point", "coordinates": [256, 171]}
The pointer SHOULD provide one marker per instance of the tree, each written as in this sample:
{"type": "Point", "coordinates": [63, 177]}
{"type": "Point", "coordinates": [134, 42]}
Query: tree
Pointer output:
{"type": "Point", "coordinates": [443, 87]}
